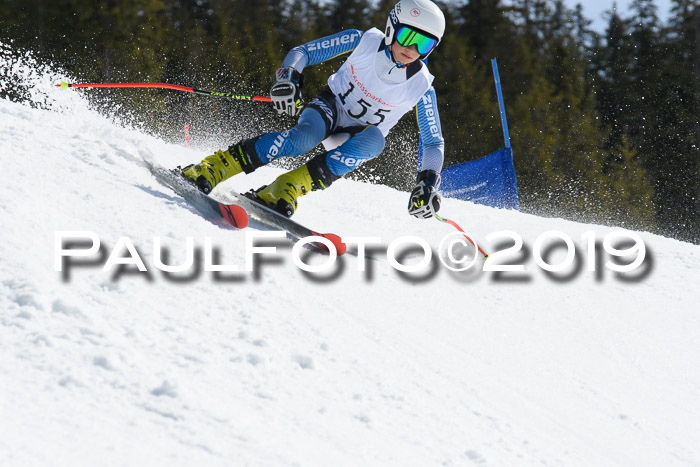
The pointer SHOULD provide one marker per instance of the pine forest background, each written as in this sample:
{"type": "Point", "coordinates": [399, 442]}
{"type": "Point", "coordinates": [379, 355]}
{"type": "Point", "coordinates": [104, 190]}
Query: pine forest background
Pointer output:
{"type": "Point", "coordinates": [605, 127]}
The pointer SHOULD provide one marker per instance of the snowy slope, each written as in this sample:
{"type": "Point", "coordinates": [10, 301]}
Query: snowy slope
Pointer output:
{"type": "Point", "coordinates": [279, 367]}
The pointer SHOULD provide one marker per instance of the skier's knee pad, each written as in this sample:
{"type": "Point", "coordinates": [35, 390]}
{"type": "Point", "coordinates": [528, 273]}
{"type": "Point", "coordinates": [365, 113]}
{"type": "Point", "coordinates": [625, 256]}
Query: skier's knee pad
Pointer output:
{"type": "Point", "coordinates": [363, 146]}
{"type": "Point", "coordinates": [307, 134]}
{"type": "Point", "coordinates": [371, 140]}
{"type": "Point", "coordinates": [298, 140]}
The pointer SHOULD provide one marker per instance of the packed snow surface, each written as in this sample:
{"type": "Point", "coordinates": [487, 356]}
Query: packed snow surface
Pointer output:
{"type": "Point", "coordinates": [348, 367]}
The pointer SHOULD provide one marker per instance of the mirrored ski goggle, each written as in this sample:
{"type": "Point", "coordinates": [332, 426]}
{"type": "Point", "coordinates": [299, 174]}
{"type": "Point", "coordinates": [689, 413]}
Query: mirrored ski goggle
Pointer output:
{"type": "Point", "coordinates": [406, 37]}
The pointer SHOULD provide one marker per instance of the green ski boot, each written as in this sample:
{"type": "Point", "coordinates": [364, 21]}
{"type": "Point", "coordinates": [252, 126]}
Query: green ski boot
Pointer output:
{"type": "Point", "coordinates": [221, 166]}
{"type": "Point", "coordinates": [282, 194]}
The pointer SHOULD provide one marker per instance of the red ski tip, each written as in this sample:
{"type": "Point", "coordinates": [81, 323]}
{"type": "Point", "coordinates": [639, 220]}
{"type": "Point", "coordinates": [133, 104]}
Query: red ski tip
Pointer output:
{"type": "Point", "coordinates": [234, 215]}
{"type": "Point", "coordinates": [337, 242]}
{"type": "Point", "coordinates": [241, 216]}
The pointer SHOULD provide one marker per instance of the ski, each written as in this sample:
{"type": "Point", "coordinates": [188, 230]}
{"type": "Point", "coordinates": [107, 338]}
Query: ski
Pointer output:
{"type": "Point", "coordinates": [240, 210]}
{"type": "Point", "coordinates": [271, 218]}
{"type": "Point", "coordinates": [230, 214]}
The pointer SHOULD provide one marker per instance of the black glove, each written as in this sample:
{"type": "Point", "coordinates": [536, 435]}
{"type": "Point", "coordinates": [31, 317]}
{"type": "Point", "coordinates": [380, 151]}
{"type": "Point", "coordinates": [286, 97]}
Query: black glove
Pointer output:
{"type": "Point", "coordinates": [286, 93]}
{"type": "Point", "coordinates": [425, 199]}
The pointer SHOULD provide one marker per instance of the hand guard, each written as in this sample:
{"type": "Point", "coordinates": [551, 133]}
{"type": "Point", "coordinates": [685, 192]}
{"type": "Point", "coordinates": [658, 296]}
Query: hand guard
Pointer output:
{"type": "Point", "coordinates": [425, 199]}
{"type": "Point", "coordinates": [286, 93]}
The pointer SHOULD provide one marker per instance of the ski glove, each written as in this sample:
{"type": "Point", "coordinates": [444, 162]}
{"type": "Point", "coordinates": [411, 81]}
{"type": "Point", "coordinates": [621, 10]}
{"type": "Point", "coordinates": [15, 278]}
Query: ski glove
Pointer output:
{"type": "Point", "coordinates": [286, 93]}
{"type": "Point", "coordinates": [425, 199]}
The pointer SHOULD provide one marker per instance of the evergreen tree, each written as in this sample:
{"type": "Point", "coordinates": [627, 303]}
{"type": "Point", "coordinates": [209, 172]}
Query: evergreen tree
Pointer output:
{"type": "Point", "coordinates": [485, 26]}
{"type": "Point", "coordinates": [346, 14]}
{"type": "Point", "coordinates": [381, 13]}
{"type": "Point", "coordinates": [466, 97]}
{"type": "Point", "coordinates": [614, 80]}
{"type": "Point", "coordinates": [676, 166]}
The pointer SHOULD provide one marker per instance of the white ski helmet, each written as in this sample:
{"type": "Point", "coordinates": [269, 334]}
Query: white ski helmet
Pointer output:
{"type": "Point", "coordinates": [423, 16]}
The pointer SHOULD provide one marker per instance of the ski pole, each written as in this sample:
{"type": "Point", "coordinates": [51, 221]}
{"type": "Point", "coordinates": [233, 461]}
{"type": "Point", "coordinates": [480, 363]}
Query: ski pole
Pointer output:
{"type": "Point", "coordinates": [456, 226]}
{"type": "Point", "coordinates": [176, 87]}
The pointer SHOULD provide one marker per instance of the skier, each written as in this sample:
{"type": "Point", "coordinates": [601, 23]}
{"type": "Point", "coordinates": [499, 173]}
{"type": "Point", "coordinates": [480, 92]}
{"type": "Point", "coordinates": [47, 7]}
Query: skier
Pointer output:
{"type": "Point", "coordinates": [384, 77]}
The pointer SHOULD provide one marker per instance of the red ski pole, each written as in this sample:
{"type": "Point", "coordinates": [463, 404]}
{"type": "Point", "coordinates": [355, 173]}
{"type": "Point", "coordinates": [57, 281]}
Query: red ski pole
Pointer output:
{"type": "Point", "coordinates": [175, 87]}
{"type": "Point", "coordinates": [456, 226]}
